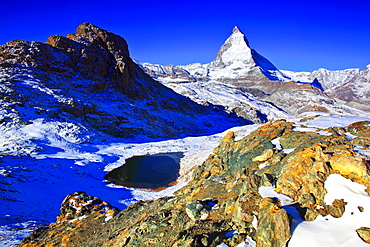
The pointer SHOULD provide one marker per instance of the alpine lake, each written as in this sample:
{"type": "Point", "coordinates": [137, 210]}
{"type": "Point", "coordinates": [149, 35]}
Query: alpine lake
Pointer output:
{"type": "Point", "coordinates": [148, 171]}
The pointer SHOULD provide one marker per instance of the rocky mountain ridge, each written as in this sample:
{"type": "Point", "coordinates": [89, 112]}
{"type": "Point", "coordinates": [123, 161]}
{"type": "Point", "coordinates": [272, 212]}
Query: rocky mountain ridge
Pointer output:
{"type": "Point", "coordinates": [349, 86]}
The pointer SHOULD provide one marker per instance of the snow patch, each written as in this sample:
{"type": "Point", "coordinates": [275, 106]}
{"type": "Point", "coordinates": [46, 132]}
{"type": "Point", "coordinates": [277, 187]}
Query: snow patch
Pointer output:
{"type": "Point", "coordinates": [361, 150]}
{"type": "Point", "coordinates": [248, 242]}
{"type": "Point", "coordinates": [315, 233]}
{"type": "Point", "coordinates": [269, 191]}
{"type": "Point", "coordinates": [288, 150]}
{"type": "Point", "coordinates": [255, 222]}
{"type": "Point", "coordinates": [330, 120]}
{"type": "Point", "coordinates": [262, 165]}
{"type": "Point", "coordinates": [276, 142]}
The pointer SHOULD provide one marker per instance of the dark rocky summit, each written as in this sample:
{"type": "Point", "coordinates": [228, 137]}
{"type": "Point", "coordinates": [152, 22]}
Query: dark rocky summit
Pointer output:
{"type": "Point", "coordinates": [222, 203]}
{"type": "Point", "coordinates": [92, 53]}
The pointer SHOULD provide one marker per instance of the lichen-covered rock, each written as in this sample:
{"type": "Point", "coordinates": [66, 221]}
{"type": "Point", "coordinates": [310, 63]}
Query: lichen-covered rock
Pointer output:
{"type": "Point", "coordinates": [80, 205]}
{"type": "Point", "coordinates": [223, 204]}
{"type": "Point", "coordinates": [197, 210]}
{"type": "Point", "coordinates": [361, 129]}
{"type": "Point", "coordinates": [273, 224]}
{"type": "Point", "coordinates": [350, 167]}
{"type": "Point", "coordinates": [364, 234]}
{"type": "Point", "coordinates": [337, 208]}
{"type": "Point", "coordinates": [302, 177]}
{"type": "Point", "coordinates": [80, 214]}
{"type": "Point", "coordinates": [264, 156]}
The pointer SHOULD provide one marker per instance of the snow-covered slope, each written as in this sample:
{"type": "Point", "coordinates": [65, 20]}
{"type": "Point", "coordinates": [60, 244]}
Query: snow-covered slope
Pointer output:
{"type": "Point", "coordinates": [328, 79]}
{"type": "Point", "coordinates": [355, 91]}
{"type": "Point", "coordinates": [234, 99]}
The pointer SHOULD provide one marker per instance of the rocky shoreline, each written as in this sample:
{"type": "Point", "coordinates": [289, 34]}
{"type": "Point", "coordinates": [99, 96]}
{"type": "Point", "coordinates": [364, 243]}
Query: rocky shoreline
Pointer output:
{"type": "Point", "coordinates": [223, 203]}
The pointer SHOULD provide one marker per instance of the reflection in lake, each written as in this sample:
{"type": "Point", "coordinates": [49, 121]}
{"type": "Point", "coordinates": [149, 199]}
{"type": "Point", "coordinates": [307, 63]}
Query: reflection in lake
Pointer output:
{"type": "Point", "coordinates": [149, 171]}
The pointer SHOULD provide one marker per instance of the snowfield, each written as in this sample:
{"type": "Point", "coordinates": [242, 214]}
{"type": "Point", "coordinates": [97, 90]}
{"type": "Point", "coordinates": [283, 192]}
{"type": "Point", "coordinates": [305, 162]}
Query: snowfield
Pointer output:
{"type": "Point", "coordinates": [330, 231]}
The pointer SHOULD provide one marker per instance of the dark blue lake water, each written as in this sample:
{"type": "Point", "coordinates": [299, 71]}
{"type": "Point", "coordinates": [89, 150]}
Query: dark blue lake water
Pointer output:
{"type": "Point", "coordinates": [149, 171]}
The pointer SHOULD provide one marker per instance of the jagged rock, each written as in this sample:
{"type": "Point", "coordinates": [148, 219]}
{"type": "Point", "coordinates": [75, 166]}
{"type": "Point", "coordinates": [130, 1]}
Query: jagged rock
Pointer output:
{"type": "Point", "coordinates": [296, 138]}
{"type": "Point", "coordinates": [264, 156]}
{"type": "Point", "coordinates": [364, 234]}
{"type": "Point", "coordinates": [273, 224]}
{"type": "Point", "coordinates": [336, 209]}
{"type": "Point", "coordinates": [79, 204]}
{"type": "Point", "coordinates": [76, 210]}
{"type": "Point", "coordinates": [92, 53]}
{"type": "Point", "coordinates": [357, 171]}
{"type": "Point", "coordinates": [302, 177]}
{"type": "Point", "coordinates": [196, 211]}
{"type": "Point", "coordinates": [361, 129]}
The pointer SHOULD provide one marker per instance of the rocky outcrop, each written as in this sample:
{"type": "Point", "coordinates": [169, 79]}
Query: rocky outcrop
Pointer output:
{"type": "Point", "coordinates": [76, 210]}
{"type": "Point", "coordinates": [91, 53]}
{"type": "Point", "coordinates": [364, 234]}
{"type": "Point", "coordinates": [274, 218]}
{"type": "Point", "coordinates": [79, 205]}
{"type": "Point", "coordinates": [223, 202]}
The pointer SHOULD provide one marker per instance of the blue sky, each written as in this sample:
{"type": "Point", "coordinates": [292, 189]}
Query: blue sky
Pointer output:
{"type": "Point", "coordinates": [296, 35]}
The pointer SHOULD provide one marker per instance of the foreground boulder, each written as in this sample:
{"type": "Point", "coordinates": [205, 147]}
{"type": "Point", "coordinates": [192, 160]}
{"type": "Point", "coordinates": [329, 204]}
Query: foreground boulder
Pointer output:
{"type": "Point", "coordinates": [76, 207]}
{"type": "Point", "coordinates": [223, 203]}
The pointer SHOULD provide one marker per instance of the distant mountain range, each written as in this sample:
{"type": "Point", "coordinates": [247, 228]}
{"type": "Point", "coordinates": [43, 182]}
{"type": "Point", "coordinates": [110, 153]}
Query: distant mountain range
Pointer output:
{"type": "Point", "coordinates": [239, 65]}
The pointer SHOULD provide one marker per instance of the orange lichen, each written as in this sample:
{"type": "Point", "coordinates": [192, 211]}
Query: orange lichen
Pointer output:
{"type": "Point", "coordinates": [66, 241]}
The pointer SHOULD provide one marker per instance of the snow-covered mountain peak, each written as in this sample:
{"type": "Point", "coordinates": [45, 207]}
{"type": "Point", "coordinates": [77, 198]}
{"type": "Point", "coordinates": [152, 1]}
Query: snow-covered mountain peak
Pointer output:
{"type": "Point", "coordinates": [235, 60]}
{"type": "Point", "coordinates": [236, 30]}
{"type": "Point", "coordinates": [367, 68]}
{"type": "Point", "coordinates": [235, 51]}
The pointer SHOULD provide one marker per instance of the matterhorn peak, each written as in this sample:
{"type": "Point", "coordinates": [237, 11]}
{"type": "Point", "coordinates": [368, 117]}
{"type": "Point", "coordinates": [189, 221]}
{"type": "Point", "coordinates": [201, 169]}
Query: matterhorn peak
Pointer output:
{"type": "Point", "coordinates": [235, 50]}
{"type": "Point", "coordinates": [236, 30]}
{"type": "Point", "coordinates": [238, 37]}
{"type": "Point", "coordinates": [236, 56]}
